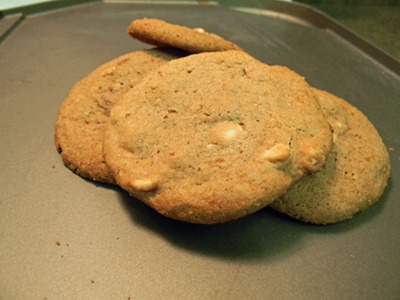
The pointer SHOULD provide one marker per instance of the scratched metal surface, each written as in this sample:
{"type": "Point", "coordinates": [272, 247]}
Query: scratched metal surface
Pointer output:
{"type": "Point", "coordinates": [63, 237]}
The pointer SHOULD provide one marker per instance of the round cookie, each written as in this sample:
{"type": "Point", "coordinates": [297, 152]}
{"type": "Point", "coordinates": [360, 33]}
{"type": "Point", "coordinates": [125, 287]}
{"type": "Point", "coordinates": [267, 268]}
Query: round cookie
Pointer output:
{"type": "Point", "coordinates": [354, 176]}
{"type": "Point", "coordinates": [84, 113]}
{"type": "Point", "coordinates": [160, 33]}
{"type": "Point", "coordinates": [215, 136]}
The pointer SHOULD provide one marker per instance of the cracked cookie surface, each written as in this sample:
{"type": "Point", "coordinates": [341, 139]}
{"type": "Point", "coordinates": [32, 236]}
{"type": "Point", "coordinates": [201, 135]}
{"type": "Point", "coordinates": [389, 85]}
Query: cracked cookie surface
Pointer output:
{"type": "Point", "coordinates": [215, 136]}
{"type": "Point", "coordinates": [354, 176]}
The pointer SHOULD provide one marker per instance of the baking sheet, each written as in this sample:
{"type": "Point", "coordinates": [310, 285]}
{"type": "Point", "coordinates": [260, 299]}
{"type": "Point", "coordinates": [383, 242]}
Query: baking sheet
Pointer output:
{"type": "Point", "coordinates": [63, 237]}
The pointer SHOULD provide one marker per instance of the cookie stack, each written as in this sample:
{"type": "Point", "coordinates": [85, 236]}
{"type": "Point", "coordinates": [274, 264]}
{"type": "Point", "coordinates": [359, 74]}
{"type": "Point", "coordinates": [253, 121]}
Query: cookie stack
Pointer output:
{"type": "Point", "coordinates": [208, 134]}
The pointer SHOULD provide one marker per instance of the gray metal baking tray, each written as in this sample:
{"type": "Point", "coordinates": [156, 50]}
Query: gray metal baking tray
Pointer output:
{"type": "Point", "coordinates": [63, 237]}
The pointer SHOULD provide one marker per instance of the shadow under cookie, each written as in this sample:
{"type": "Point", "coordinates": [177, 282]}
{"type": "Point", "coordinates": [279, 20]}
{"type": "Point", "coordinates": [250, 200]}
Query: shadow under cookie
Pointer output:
{"type": "Point", "coordinates": [263, 236]}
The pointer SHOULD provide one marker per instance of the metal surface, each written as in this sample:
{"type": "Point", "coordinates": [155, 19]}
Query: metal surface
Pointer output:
{"type": "Point", "coordinates": [63, 237]}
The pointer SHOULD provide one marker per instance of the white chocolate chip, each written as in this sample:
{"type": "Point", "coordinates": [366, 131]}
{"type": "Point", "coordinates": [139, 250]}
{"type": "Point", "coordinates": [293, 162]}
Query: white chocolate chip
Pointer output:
{"type": "Point", "coordinates": [277, 153]}
{"type": "Point", "coordinates": [109, 71]}
{"type": "Point", "coordinates": [313, 159]}
{"type": "Point", "coordinates": [225, 131]}
{"type": "Point", "coordinates": [231, 133]}
{"type": "Point", "coordinates": [200, 30]}
{"type": "Point", "coordinates": [144, 185]}
{"type": "Point", "coordinates": [338, 128]}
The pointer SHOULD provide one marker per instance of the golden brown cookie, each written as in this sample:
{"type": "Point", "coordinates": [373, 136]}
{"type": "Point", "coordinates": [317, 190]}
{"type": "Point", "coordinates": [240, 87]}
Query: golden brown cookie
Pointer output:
{"type": "Point", "coordinates": [84, 113]}
{"type": "Point", "coordinates": [354, 176]}
{"type": "Point", "coordinates": [215, 136]}
{"type": "Point", "coordinates": [160, 33]}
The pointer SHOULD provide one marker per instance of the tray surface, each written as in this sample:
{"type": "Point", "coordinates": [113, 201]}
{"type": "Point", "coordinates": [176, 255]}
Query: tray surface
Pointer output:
{"type": "Point", "coordinates": [63, 237]}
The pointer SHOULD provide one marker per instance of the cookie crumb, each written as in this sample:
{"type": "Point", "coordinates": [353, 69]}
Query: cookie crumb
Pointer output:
{"type": "Point", "coordinates": [92, 281]}
{"type": "Point", "coordinates": [58, 243]}
{"type": "Point", "coordinates": [391, 149]}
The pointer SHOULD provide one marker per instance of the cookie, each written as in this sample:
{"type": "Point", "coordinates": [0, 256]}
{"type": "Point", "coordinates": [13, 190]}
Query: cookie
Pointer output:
{"type": "Point", "coordinates": [84, 113]}
{"type": "Point", "coordinates": [160, 33]}
{"type": "Point", "coordinates": [354, 176]}
{"type": "Point", "coordinates": [215, 136]}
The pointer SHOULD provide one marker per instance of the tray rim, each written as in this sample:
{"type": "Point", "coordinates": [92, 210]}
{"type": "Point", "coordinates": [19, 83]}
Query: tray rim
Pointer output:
{"type": "Point", "coordinates": [295, 12]}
